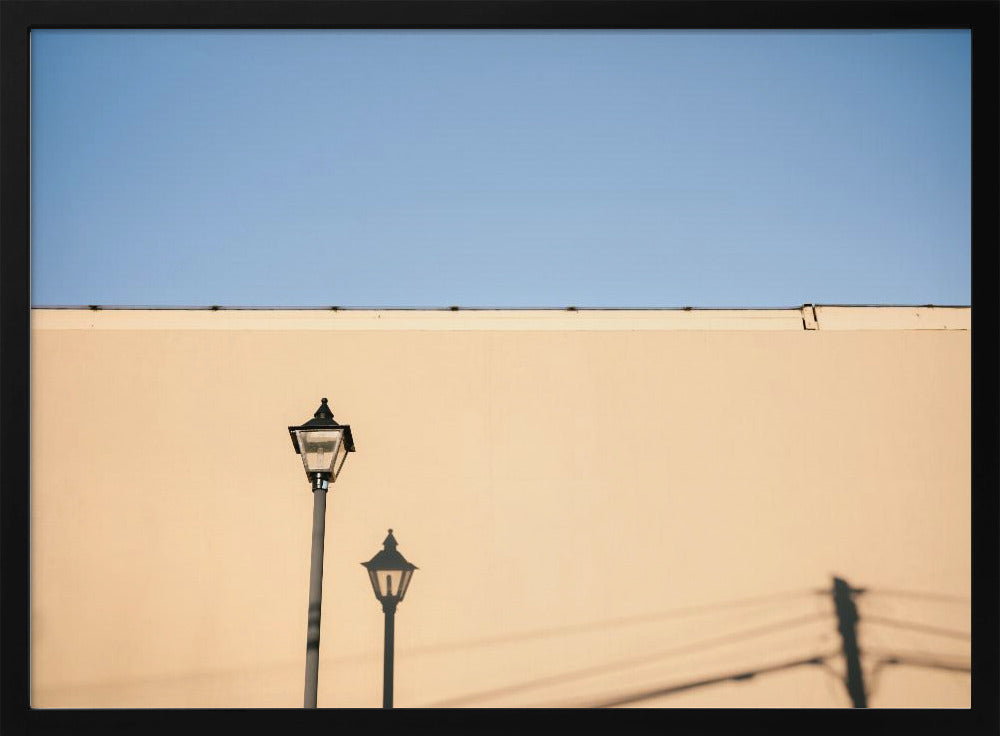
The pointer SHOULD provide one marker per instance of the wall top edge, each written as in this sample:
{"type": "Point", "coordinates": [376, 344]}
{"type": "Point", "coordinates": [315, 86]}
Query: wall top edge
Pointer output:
{"type": "Point", "coordinates": [237, 308]}
{"type": "Point", "coordinates": [807, 317]}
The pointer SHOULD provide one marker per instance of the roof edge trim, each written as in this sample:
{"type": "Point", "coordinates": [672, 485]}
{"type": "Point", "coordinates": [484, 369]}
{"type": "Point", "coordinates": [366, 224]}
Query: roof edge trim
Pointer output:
{"type": "Point", "coordinates": [811, 318]}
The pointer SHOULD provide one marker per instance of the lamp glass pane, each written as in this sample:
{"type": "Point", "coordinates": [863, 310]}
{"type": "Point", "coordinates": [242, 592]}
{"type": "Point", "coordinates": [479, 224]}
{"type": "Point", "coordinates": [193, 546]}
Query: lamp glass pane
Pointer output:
{"type": "Point", "coordinates": [392, 582]}
{"type": "Point", "coordinates": [341, 458]}
{"type": "Point", "coordinates": [404, 583]}
{"type": "Point", "coordinates": [319, 448]}
{"type": "Point", "coordinates": [373, 576]}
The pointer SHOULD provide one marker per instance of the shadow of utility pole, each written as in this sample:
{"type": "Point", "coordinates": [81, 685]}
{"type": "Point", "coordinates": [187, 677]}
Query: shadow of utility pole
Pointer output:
{"type": "Point", "coordinates": [847, 619]}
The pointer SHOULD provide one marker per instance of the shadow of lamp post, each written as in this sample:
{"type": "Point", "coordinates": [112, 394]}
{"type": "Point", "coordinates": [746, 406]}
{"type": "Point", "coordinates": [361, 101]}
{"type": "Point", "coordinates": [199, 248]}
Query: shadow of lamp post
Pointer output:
{"type": "Point", "coordinates": [323, 445]}
{"type": "Point", "coordinates": [390, 574]}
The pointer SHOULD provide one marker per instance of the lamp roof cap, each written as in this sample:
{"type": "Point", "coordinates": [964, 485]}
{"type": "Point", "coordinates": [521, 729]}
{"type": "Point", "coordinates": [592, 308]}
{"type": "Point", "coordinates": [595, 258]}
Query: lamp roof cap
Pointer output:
{"type": "Point", "coordinates": [323, 419]}
{"type": "Point", "coordinates": [388, 558]}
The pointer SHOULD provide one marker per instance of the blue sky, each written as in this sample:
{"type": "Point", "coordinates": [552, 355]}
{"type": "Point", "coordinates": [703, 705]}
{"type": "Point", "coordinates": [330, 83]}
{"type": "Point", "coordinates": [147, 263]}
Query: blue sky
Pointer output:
{"type": "Point", "coordinates": [500, 168]}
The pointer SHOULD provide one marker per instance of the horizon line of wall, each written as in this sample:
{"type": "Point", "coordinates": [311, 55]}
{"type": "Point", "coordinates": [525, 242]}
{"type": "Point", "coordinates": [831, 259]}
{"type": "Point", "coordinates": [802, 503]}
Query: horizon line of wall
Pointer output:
{"type": "Point", "coordinates": [808, 317]}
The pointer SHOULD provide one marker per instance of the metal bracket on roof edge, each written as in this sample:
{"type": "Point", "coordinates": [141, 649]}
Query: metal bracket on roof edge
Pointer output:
{"type": "Point", "coordinates": [809, 321]}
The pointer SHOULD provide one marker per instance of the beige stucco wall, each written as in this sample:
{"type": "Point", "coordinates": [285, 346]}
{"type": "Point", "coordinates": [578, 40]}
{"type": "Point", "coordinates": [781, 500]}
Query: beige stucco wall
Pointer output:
{"type": "Point", "coordinates": [567, 482]}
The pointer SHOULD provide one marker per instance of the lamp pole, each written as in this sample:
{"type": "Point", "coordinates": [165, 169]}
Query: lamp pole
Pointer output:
{"type": "Point", "coordinates": [323, 445]}
{"type": "Point", "coordinates": [320, 485]}
{"type": "Point", "coordinates": [389, 607]}
{"type": "Point", "coordinates": [390, 575]}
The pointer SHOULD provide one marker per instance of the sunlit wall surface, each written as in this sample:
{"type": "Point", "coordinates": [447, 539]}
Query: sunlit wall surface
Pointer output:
{"type": "Point", "coordinates": [602, 505]}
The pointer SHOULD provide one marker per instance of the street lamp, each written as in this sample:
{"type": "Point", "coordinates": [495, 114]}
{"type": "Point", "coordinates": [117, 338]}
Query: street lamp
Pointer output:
{"type": "Point", "coordinates": [323, 445]}
{"type": "Point", "coordinates": [390, 574]}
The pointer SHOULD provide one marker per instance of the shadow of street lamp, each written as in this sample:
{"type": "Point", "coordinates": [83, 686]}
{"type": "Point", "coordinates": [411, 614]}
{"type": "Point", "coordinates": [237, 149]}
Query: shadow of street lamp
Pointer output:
{"type": "Point", "coordinates": [390, 575]}
{"type": "Point", "coordinates": [323, 445]}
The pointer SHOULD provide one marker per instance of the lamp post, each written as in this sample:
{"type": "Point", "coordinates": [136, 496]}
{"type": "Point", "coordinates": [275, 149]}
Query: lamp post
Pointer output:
{"type": "Point", "coordinates": [323, 445]}
{"type": "Point", "coordinates": [390, 574]}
